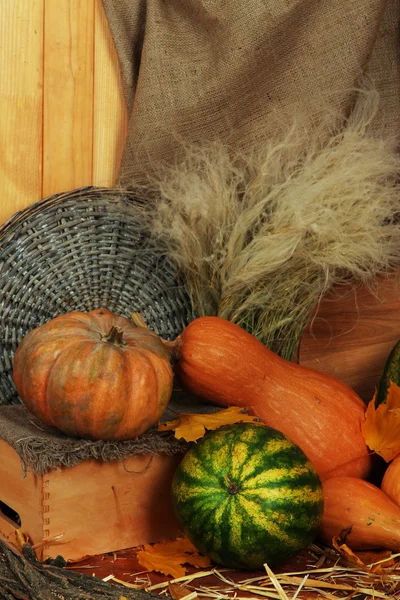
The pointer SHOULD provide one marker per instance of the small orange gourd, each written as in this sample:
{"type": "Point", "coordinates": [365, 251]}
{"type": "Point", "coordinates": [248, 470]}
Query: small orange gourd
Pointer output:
{"type": "Point", "coordinates": [362, 513]}
{"type": "Point", "coordinates": [391, 480]}
{"type": "Point", "coordinates": [94, 375]}
{"type": "Point", "coordinates": [220, 362]}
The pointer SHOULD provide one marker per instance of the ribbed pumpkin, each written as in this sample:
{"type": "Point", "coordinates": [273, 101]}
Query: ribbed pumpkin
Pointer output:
{"type": "Point", "coordinates": [94, 375]}
{"type": "Point", "coordinates": [246, 495]}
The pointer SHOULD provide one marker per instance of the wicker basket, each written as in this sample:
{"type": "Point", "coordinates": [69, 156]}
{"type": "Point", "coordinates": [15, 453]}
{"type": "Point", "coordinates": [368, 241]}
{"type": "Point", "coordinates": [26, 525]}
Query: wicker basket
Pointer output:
{"type": "Point", "coordinates": [82, 250]}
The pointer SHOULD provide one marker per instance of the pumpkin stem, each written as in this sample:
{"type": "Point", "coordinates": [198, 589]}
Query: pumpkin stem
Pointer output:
{"type": "Point", "coordinates": [114, 336]}
{"type": "Point", "coordinates": [138, 320]}
{"type": "Point", "coordinates": [174, 347]}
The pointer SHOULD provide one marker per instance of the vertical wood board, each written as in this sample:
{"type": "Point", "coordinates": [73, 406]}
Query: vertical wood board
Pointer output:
{"type": "Point", "coordinates": [21, 104]}
{"type": "Point", "coordinates": [62, 114]}
{"type": "Point", "coordinates": [109, 109]}
{"type": "Point", "coordinates": [351, 336]}
{"type": "Point", "coordinates": [68, 95]}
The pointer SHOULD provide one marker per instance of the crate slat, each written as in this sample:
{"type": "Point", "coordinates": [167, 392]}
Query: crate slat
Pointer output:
{"type": "Point", "coordinates": [92, 508]}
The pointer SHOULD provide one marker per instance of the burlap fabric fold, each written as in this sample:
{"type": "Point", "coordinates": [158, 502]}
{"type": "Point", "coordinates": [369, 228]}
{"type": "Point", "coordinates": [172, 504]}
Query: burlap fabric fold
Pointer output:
{"type": "Point", "coordinates": [196, 70]}
{"type": "Point", "coordinates": [42, 448]}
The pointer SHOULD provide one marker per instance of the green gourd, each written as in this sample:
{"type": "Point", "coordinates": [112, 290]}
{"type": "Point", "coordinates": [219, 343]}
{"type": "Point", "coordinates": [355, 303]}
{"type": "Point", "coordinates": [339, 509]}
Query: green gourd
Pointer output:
{"type": "Point", "coordinates": [390, 374]}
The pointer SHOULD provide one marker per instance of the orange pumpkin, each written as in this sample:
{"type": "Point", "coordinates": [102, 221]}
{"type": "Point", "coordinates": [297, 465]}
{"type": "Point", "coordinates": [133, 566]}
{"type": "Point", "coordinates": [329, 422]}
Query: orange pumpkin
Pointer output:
{"type": "Point", "coordinates": [219, 361]}
{"type": "Point", "coordinates": [94, 375]}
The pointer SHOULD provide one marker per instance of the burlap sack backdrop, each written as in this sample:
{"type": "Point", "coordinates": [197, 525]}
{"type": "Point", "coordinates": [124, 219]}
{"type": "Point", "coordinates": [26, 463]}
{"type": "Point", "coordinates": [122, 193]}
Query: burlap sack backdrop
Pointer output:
{"type": "Point", "coordinates": [196, 70]}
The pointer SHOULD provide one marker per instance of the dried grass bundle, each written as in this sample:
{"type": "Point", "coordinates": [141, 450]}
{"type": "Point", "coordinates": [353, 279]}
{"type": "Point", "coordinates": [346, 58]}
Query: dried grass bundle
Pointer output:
{"type": "Point", "coordinates": [262, 237]}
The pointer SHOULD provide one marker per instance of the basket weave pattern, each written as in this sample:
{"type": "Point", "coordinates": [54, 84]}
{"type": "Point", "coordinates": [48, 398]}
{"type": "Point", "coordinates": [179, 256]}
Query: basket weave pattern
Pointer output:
{"type": "Point", "coordinates": [82, 250]}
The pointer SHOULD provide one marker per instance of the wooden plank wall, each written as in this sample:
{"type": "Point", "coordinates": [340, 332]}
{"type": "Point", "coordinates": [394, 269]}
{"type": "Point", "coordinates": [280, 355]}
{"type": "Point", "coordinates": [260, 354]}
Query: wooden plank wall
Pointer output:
{"type": "Point", "coordinates": [63, 125]}
{"type": "Point", "coordinates": [352, 334]}
{"type": "Point", "coordinates": [63, 117]}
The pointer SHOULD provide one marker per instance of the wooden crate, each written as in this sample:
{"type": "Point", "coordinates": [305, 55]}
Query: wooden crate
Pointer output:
{"type": "Point", "coordinates": [92, 508]}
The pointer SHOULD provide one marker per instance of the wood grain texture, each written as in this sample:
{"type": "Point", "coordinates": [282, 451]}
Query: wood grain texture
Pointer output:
{"type": "Point", "coordinates": [62, 112]}
{"type": "Point", "coordinates": [26, 499]}
{"type": "Point", "coordinates": [109, 108]}
{"type": "Point", "coordinates": [351, 335]}
{"type": "Point", "coordinates": [92, 508]}
{"type": "Point", "coordinates": [68, 95]}
{"type": "Point", "coordinates": [21, 97]}
{"type": "Point", "coordinates": [101, 507]}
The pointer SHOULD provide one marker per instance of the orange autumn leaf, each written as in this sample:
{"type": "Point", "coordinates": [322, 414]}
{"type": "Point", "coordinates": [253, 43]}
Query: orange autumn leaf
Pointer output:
{"type": "Point", "coordinates": [346, 552]}
{"type": "Point", "coordinates": [381, 428]}
{"type": "Point", "coordinates": [168, 558]}
{"type": "Point", "coordinates": [191, 427]}
{"type": "Point", "coordinates": [373, 562]}
{"type": "Point", "coordinates": [377, 561]}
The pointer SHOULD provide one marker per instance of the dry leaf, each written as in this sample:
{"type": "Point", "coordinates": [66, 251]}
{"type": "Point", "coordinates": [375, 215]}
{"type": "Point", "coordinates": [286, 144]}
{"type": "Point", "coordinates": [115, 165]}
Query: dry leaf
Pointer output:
{"type": "Point", "coordinates": [346, 552]}
{"type": "Point", "coordinates": [169, 557]}
{"type": "Point", "coordinates": [377, 561]}
{"type": "Point", "coordinates": [191, 427]}
{"type": "Point", "coordinates": [381, 428]}
{"type": "Point", "coordinates": [364, 560]}
{"type": "Point", "coordinates": [177, 592]}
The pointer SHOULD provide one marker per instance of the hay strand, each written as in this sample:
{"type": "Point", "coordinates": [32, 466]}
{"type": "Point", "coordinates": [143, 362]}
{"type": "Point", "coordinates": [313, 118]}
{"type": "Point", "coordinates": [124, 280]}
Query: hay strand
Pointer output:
{"type": "Point", "coordinates": [332, 582]}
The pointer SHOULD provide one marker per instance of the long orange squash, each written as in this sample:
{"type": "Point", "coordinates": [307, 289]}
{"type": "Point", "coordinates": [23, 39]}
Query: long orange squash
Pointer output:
{"type": "Point", "coordinates": [369, 517]}
{"type": "Point", "coordinates": [219, 361]}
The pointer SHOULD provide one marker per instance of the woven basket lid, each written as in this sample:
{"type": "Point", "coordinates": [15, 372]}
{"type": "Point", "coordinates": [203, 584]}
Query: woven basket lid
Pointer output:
{"type": "Point", "coordinates": [82, 250]}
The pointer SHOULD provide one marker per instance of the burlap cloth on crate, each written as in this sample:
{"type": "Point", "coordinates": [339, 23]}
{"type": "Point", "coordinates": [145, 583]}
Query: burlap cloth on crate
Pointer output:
{"type": "Point", "coordinates": [194, 70]}
{"type": "Point", "coordinates": [42, 449]}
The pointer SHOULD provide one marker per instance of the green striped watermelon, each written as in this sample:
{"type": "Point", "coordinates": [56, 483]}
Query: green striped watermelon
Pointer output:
{"type": "Point", "coordinates": [246, 495]}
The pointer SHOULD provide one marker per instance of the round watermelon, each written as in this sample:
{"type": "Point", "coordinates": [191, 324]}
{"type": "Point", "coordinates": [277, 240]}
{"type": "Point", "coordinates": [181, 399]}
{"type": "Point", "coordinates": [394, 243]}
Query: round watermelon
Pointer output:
{"type": "Point", "coordinates": [246, 495]}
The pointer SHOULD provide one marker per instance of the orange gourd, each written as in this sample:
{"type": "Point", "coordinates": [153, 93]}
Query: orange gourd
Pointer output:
{"type": "Point", "coordinates": [391, 480]}
{"type": "Point", "coordinates": [219, 361]}
{"type": "Point", "coordinates": [94, 375]}
{"type": "Point", "coordinates": [363, 511]}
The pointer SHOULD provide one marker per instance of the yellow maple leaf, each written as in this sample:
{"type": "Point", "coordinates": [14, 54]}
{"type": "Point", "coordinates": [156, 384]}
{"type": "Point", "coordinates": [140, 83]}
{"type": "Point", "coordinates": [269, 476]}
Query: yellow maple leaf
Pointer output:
{"type": "Point", "coordinates": [191, 426]}
{"type": "Point", "coordinates": [381, 428]}
{"type": "Point", "coordinates": [169, 557]}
